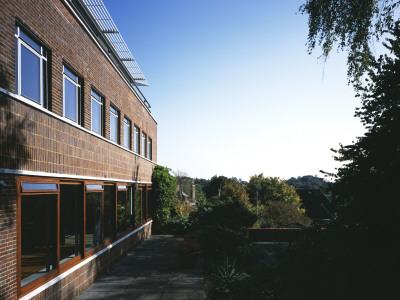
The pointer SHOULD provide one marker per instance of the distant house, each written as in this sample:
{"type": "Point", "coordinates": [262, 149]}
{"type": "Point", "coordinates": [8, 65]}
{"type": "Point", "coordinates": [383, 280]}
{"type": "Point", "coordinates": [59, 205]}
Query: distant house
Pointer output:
{"type": "Point", "coordinates": [78, 145]}
{"type": "Point", "coordinates": [318, 207]}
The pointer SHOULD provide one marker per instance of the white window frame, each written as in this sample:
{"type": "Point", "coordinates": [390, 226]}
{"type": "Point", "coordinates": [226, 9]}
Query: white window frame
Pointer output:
{"type": "Point", "coordinates": [101, 102]}
{"type": "Point", "coordinates": [42, 56]}
{"type": "Point", "coordinates": [129, 124]}
{"type": "Point", "coordinates": [77, 90]}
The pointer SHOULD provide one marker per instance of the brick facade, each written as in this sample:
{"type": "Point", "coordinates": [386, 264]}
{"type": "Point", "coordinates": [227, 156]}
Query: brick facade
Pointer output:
{"type": "Point", "coordinates": [39, 141]}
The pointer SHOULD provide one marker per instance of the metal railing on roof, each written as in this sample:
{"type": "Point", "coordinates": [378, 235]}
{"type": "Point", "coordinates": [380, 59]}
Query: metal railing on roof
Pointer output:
{"type": "Point", "coordinates": [103, 19]}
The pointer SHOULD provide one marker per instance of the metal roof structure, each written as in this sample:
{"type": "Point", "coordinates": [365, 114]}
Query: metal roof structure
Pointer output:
{"type": "Point", "coordinates": [107, 26]}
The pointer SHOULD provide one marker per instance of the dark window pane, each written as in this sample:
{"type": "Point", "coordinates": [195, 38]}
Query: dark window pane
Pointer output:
{"type": "Point", "coordinates": [121, 212]}
{"type": "Point", "coordinates": [93, 220]}
{"type": "Point", "coordinates": [39, 186]}
{"type": "Point", "coordinates": [71, 209]}
{"type": "Point", "coordinates": [96, 117]}
{"type": "Point", "coordinates": [149, 203]}
{"type": "Point", "coordinates": [38, 236]}
{"type": "Point", "coordinates": [109, 212]}
{"type": "Point", "coordinates": [138, 206]}
{"type": "Point", "coordinates": [30, 74]}
{"type": "Point", "coordinates": [71, 101]}
{"type": "Point", "coordinates": [94, 187]}
{"type": "Point", "coordinates": [129, 215]}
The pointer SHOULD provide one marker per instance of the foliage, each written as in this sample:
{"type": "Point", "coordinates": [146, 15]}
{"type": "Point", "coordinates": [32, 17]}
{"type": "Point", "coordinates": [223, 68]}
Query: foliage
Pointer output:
{"type": "Point", "coordinates": [200, 197]}
{"type": "Point", "coordinates": [164, 191]}
{"type": "Point", "coordinates": [214, 186]}
{"type": "Point", "coordinates": [232, 213]}
{"type": "Point", "coordinates": [234, 190]}
{"type": "Point", "coordinates": [188, 246]}
{"type": "Point", "coordinates": [352, 25]}
{"type": "Point", "coordinates": [307, 182]}
{"type": "Point", "coordinates": [271, 189]}
{"type": "Point", "coordinates": [275, 214]}
{"type": "Point", "coordinates": [366, 185]}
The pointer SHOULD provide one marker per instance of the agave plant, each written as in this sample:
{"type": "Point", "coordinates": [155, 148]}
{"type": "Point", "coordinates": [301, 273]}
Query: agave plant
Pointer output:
{"type": "Point", "coordinates": [228, 274]}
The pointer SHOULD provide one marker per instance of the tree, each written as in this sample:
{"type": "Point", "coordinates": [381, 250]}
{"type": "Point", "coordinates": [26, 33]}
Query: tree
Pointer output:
{"type": "Point", "coordinates": [366, 185]}
{"type": "Point", "coordinates": [308, 182]}
{"type": "Point", "coordinates": [279, 213]}
{"type": "Point", "coordinates": [214, 187]}
{"type": "Point", "coordinates": [182, 179]}
{"type": "Point", "coordinates": [234, 190]}
{"type": "Point", "coordinates": [164, 191]}
{"type": "Point", "coordinates": [352, 25]}
{"type": "Point", "coordinates": [271, 189]}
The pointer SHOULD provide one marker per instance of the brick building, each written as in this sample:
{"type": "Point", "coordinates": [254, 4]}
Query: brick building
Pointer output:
{"type": "Point", "coordinates": [77, 147]}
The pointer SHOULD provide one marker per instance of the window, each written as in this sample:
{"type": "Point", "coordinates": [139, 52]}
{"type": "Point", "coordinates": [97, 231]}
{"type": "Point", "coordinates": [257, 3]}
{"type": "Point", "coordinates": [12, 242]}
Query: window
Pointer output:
{"type": "Point", "coordinates": [137, 205]}
{"type": "Point", "coordinates": [38, 236]}
{"type": "Point", "coordinates": [109, 212]}
{"type": "Point", "coordinates": [137, 140]}
{"type": "Point", "coordinates": [144, 144]}
{"type": "Point", "coordinates": [71, 208]}
{"type": "Point", "coordinates": [93, 232]}
{"type": "Point", "coordinates": [127, 133]}
{"type": "Point", "coordinates": [71, 95]}
{"type": "Point", "coordinates": [30, 67]}
{"type": "Point", "coordinates": [97, 113]}
{"type": "Point", "coordinates": [114, 124]}
{"type": "Point", "coordinates": [150, 149]}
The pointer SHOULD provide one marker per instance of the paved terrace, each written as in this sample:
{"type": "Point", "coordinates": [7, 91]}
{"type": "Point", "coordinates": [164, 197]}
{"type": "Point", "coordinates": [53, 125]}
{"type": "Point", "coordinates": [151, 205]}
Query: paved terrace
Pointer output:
{"type": "Point", "coordinates": [150, 271]}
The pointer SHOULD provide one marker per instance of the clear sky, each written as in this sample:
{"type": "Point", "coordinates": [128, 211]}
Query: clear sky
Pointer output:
{"type": "Point", "coordinates": [233, 88]}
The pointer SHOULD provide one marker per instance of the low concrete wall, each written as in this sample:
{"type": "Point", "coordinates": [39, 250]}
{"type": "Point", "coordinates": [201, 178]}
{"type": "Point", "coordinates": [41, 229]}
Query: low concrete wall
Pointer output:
{"type": "Point", "coordinates": [73, 282]}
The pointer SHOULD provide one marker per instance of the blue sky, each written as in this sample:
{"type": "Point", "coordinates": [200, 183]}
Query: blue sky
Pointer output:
{"type": "Point", "coordinates": [233, 88]}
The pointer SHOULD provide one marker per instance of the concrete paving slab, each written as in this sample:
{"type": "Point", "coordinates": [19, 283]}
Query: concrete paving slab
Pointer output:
{"type": "Point", "coordinates": [150, 271]}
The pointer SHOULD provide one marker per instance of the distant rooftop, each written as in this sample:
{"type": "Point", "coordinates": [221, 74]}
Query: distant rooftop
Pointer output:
{"type": "Point", "coordinates": [100, 15]}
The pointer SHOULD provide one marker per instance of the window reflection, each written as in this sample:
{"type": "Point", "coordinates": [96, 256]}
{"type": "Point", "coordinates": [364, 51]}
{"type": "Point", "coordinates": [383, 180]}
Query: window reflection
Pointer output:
{"type": "Point", "coordinates": [109, 212]}
{"type": "Point", "coordinates": [93, 220]}
{"type": "Point", "coordinates": [71, 208]}
{"type": "Point", "coordinates": [38, 236]}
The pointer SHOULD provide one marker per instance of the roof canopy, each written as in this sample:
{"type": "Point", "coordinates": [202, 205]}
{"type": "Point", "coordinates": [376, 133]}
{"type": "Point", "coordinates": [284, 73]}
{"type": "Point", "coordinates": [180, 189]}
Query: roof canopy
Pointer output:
{"type": "Point", "coordinates": [107, 26]}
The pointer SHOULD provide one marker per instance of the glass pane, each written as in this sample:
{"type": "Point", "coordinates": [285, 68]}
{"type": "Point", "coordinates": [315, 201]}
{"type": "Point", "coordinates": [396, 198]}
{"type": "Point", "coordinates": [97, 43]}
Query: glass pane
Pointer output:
{"type": "Point", "coordinates": [71, 101]}
{"type": "Point", "coordinates": [29, 41]}
{"type": "Point", "coordinates": [93, 220]}
{"type": "Point", "coordinates": [96, 117]}
{"type": "Point", "coordinates": [122, 187]}
{"type": "Point", "coordinates": [39, 186]}
{"type": "Point", "coordinates": [136, 140]}
{"type": "Point", "coordinates": [109, 212]}
{"type": "Point", "coordinates": [149, 202]}
{"type": "Point", "coordinates": [30, 74]}
{"type": "Point", "coordinates": [94, 187]}
{"type": "Point", "coordinates": [150, 143]}
{"type": "Point", "coordinates": [129, 215]}
{"type": "Point", "coordinates": [144, 145]}
{"type": "Point", "coordinates": [121, 212]}
{"type": "Point", "coordinates": [38, 236]}
{"type": "Point", "coordinates": [70, 74]}
{"type": "Point", "coordinates": [127, 135]}
{"type": "Point", "coordinates": [138, 207]}
{"type": "Point", "coordinates": [71, 208]}
{"type": "Point", "coordinates": [95, 95]}
{"type": "Point", "coordinates": [113, 128]}
{"type": "Point", "coordinates": [113, 110]}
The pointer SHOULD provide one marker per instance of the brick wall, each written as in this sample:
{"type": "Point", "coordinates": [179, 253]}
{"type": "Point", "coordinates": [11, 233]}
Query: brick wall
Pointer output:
{"type": "Point", "coordinates": [64, 148]}
{"type": "Point", "coordinates": [8, 239]}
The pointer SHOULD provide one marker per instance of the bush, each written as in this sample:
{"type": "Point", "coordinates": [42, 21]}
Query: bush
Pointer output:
{"type": "Point", "coordinates": [276, 214]}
